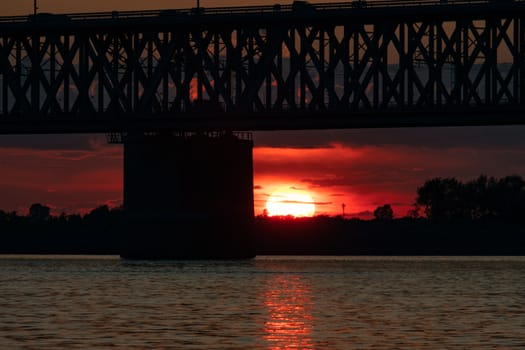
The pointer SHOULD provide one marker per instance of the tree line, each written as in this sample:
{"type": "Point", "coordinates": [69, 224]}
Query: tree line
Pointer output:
{"type": "Point", "coordinates": [40, 214]}
{"type": "Point", "coordinates": [438, 199]}
{"type": "Point", "coordinates": [485, 197]}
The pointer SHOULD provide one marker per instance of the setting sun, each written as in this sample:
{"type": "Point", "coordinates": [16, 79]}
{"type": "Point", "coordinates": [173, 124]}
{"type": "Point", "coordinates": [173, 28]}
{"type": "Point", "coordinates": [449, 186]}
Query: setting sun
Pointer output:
{"type": "Point", "coordinates": [290, 201]}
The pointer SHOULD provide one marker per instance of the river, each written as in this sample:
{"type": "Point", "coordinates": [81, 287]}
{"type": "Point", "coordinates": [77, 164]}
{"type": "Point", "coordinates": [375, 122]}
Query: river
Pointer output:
{"type": "Point", "coordinates": [270, 302]}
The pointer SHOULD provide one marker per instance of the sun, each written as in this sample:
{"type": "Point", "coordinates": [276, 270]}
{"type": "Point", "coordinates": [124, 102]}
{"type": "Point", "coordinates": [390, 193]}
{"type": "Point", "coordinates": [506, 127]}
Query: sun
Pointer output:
{"type": "Point", "coordinates": [293, 202]}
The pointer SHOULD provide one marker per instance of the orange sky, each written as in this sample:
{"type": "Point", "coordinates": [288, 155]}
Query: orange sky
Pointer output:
{"type": "Point", "coordinates": [24, 7]}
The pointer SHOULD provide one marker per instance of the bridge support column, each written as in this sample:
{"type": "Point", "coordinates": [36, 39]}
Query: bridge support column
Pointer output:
{"type": "Point", "coordinates": [188, 196]}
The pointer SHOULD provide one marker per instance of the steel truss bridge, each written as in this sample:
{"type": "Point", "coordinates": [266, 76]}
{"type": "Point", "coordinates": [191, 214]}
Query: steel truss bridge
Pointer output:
{"type": "Point", "coordinates": [294, 66]}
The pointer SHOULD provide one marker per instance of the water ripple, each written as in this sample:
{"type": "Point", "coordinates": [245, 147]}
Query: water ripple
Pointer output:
{"type": "Point", "coordinates": [266, 303]}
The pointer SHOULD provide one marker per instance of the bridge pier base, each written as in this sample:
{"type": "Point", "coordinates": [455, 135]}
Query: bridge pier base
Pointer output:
{"type": "Point", "coordinates": [188, 196]}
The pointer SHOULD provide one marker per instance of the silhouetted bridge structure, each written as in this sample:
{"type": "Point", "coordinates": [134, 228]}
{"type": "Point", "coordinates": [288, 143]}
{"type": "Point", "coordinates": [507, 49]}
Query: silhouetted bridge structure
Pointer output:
{"type": "Point", "coordinates": [174, 84]}
{"type": "Point", "coordinates": [290, 66]}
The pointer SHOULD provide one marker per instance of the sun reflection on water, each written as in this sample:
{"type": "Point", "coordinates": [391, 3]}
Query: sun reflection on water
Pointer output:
{"type": "Point", "coordinates": [290, 322]}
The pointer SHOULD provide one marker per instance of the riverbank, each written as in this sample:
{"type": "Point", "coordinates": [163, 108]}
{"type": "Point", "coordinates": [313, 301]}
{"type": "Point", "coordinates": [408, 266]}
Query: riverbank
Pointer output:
{"type": "Point", "coordinates": [282, 236]}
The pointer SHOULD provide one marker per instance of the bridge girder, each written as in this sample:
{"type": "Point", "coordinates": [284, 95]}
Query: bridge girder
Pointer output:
{"type": "Point", "coordinates": [279, 72]}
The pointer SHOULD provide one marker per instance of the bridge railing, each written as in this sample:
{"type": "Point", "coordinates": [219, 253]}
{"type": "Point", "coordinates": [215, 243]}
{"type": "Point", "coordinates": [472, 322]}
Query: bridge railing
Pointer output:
{"type": "Point", "coordinates": [267, 9]}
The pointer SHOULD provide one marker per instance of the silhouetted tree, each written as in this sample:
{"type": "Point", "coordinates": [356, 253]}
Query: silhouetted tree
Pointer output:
{"type": "Point", "coordinates": [446, 199]}
{"type": "Point", "coordinates": [98, 215]}
{"type": "Point", "coordinates": [414, 213]}
{"type": "Point", "coordinates": [384, 212]}
{"type": "Point", "coordinates": [509, 197]}
{"type": "Point", "coordinates": [13, 217]}
{"type": "Point", "coordinates": [476, 197]}
{"type": "Point", "coordinates": [3, 216]}
{"type": "Point", "coordinates": [441, 198]}
{"type": "Point", "coordinates": [39, 212]}
{"type": "Point", "coordinates": [104, 215]}
{"type": "Point", "coordinates": [74, 219]}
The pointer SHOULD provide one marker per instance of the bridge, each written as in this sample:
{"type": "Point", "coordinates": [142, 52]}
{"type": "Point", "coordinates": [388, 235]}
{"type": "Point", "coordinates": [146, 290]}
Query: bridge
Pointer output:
{"type": "Point", "coordinates": [179, 87]}
{"type": "Point", "coordinates": [291, 66]}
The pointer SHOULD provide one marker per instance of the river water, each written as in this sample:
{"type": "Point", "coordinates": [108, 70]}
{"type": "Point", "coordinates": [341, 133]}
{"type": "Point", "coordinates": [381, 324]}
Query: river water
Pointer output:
{"type": "Point", "coordinates": [97, 302]}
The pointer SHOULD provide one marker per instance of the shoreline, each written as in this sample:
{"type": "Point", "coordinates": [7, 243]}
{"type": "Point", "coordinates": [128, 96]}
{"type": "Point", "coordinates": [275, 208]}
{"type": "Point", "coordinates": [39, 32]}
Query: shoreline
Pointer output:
{"type": "Point", "coordinates": [317, 236]}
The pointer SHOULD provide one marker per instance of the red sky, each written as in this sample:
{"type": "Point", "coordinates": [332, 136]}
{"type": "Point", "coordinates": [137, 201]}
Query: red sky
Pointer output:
{"type": "Point", "coordinates": [360, 168]}
{"type": "Point", "coordinates": [367, 168]}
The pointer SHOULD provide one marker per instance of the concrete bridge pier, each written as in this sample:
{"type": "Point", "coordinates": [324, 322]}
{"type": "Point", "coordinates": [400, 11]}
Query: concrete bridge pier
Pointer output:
{"type": "Point", "coordinates": [188, 196]}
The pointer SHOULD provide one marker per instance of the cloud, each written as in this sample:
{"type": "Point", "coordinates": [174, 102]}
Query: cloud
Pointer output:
{"type": "Point", "coordinates": [480, 137]}
{"type": "Point", "coordinates": [361, 168]}
{"type": "Point", "coordinates": [365, 177]}
{"type": "Point", "coordinates": [66, 142]}
{"type": "Point", "coordinates": [69, 181]}
{"type": "Point", "coordinates": [323, 203]}
{"type": "Point", "coordinates": [364, 215]}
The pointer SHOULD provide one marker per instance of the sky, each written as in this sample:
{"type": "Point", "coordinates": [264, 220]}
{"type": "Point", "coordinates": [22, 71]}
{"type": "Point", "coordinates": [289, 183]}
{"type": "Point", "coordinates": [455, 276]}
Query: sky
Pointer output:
{"type": "Point", "coordinates": [25, 7]}
{"type": "Point", "coordinates": [360, 168]}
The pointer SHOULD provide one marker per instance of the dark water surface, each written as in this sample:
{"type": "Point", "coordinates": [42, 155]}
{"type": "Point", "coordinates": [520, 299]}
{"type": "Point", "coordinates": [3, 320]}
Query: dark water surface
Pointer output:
{"type": "Point", "coordinates": [265, 303]}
